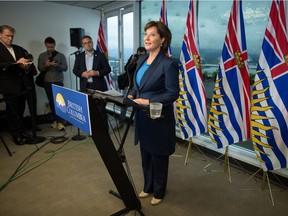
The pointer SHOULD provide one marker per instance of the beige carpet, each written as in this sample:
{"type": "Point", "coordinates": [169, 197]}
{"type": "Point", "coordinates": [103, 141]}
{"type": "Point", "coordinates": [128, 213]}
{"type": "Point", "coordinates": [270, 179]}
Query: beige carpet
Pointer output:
{"type": "Point", "coordinates": [70, 179]}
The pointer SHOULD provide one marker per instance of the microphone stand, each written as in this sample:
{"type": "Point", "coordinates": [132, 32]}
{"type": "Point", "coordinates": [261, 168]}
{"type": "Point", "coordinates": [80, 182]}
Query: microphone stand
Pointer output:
{"type": "Point", "coordinates": [78, 136]}
{"type": "Point", "coordinates": [120, 149]}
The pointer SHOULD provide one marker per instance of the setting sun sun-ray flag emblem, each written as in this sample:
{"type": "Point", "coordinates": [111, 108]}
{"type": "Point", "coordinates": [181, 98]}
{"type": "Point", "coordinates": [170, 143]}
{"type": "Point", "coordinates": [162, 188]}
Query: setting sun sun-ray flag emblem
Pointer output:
{"type": "Point", "coordinates": [229, 115]}
{"type": "Point", "coordinates": [190, 108]}
{"type": "Point", "coordinates": [101, 47]}
{"type": "Point", "coordinates": [163, 19]}
{"type": "Point", "coordinates": [269, 107]}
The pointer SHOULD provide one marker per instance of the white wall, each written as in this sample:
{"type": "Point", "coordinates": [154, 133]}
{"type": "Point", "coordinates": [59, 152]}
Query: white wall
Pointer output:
{"type": "Point", "coordinates": [34, 21]}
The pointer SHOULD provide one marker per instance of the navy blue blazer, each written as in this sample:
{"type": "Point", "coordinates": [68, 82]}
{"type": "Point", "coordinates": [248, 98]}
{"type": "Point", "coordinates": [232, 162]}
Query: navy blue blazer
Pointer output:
{"type": "Point", "coordinates": [160, 83]}
{"type": "Point", "coordinates": [100, 63]}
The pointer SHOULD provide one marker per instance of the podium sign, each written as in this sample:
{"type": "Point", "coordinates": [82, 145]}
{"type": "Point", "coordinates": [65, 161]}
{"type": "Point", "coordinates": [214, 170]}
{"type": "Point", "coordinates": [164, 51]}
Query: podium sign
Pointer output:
{"type": "Point", "coordinates": [72, 106]}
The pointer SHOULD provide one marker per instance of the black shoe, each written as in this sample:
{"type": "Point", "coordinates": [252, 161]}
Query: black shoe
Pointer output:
{"type": "Point", "coordinates": [19, 140]}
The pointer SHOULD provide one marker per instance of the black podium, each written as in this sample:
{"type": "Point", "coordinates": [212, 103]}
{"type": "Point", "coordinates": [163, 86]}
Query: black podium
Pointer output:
{"type": "Point", "coordinates": [110, 157]}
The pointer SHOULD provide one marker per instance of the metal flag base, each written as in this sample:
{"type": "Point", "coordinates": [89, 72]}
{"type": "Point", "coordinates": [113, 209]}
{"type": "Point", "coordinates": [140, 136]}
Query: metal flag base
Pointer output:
{"type": "Point", "coordinates": [226, 166]}
{"type": "Point", "coordinates": [265, 179]}
{"type": "Point", "coordinates": [189, 151]}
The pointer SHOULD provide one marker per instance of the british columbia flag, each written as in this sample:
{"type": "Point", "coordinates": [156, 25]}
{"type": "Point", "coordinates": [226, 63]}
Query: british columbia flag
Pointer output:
{"type": "Point", "coordinates": [269, 107]}
{"type": "Point", "coordinates": [101, 47]}
{"type": "Point", "coordinates": [163, 19]}
{"type": "Point", "coordinates": [191, 109]}
{"type": "Point", "coordinates": [229, 116]}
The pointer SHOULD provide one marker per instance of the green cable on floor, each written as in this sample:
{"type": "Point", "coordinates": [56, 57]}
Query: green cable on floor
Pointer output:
{"type": "Point", "coordinates": [20, 171]}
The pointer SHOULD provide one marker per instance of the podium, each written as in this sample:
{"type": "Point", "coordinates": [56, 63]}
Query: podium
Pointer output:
{"type": "Point", "coordinates": [109, 155]}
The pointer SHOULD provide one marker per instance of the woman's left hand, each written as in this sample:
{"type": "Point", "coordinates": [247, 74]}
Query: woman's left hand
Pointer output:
{"type": "Point", "coordinates": [142, 101]}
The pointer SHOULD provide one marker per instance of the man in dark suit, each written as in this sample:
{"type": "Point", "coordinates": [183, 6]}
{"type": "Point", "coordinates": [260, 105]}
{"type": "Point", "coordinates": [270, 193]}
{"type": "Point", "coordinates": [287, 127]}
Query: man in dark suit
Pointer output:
{"type": "Point", "coordinates": [91, 67]}
{"type": "Point", "coordinates": [14, 68]}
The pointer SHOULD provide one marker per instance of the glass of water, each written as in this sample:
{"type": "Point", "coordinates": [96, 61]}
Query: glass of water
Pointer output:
{"type": "Point", "coordinates": [155, 109]}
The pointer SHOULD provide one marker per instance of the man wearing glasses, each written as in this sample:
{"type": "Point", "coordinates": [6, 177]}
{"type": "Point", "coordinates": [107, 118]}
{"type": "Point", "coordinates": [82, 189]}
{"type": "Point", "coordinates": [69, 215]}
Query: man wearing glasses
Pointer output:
{"type": "Point", "coordinates": [91, 67]}
{"type": "Point", "coordinates": [16, 72]}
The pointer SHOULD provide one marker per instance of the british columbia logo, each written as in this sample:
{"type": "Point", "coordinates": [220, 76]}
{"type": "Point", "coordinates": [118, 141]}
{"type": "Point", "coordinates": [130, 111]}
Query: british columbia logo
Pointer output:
{"type": "Point", "coordinates": [72, 109]}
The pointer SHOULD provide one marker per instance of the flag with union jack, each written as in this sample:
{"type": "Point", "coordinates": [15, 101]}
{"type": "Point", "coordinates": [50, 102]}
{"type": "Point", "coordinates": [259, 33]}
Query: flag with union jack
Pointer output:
{"type": "Point", "coordinates": [269, 107]}
{"type": "Point", "coordinates": [163, 19]}
{"type": "Point", "coordinates": [191, 108]}
{"type": "Point", "coordinates": [229, 115]}
{"type": "Point", "coordinates": [101, 47]}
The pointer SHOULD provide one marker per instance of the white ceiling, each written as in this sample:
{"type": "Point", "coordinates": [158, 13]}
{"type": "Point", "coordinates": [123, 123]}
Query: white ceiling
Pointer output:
{"type": "Point", "coordinates": [95, 5]}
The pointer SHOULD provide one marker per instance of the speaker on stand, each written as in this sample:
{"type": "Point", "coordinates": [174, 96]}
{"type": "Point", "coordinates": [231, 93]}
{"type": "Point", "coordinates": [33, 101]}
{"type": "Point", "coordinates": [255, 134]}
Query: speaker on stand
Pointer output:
{"type": "Point", "coordinates": [75, 40]}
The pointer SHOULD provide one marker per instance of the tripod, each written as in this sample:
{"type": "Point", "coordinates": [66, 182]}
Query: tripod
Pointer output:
{"type": "Point", "coordinates": [5, 145]}
{"type": "Point", "coordinates": [30, 140]}
{"type": "Point", "coordinates": [1, 138]}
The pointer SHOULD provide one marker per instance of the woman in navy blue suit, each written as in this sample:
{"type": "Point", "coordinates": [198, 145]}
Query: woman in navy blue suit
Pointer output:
{"type": "Point", "coordinates": [156, 80]}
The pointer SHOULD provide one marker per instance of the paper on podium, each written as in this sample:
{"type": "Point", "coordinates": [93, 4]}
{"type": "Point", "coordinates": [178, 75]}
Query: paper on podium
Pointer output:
{"type": "Point", "coordinates": [111, 92]}
{"type": "Point", "coordinates": [116, 97]}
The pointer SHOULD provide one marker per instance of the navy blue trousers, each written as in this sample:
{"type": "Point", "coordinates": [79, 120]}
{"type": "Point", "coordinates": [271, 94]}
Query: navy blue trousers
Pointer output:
{"type": "Point", "coordinates": [155, 171]}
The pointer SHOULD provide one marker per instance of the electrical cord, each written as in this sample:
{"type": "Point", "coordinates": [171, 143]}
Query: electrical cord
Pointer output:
{"type": "Point", "coordinates": [20, 167]}
{"type": "Point", "coordinates": [20, 170]}
{"type": "Point", "coordinates": [57, 140]}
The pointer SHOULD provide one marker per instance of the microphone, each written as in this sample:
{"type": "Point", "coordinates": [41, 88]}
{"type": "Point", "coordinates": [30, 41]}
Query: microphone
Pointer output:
{"type": "Point", "coordinates": [129, 67]}
{"type": "Point", "coordinates": [75, 53]}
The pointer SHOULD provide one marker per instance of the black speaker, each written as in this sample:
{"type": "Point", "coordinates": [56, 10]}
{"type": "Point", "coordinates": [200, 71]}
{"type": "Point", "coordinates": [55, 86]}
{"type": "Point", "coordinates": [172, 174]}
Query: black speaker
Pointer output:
{"type": "Point", "coordinates": [75, 37]}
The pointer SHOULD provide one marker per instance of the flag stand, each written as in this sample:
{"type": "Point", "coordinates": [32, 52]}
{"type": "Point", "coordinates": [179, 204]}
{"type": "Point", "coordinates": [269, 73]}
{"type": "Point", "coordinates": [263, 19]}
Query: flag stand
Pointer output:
{"type": "Point", "coordinates": [265, 178]}
{"type": "Point", "coordinates": [226, 165]}
{"type": "Point", "coordinates": [189, 151]}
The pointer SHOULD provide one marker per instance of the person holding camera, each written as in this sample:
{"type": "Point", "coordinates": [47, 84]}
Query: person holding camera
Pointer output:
{"type": "Point", "coordinates": [53, 64]}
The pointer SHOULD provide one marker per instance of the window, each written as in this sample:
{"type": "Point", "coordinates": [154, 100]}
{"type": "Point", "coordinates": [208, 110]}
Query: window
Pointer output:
{"type": "Point", "coordinates": [120, 40]}
{"type": "Point", "coordinates": [212, 25]}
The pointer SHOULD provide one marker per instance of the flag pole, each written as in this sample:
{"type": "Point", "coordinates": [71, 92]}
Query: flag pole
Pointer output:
{"type": "Point", "coordinates": [226, 168]}
{"type": "Point", "coordinates": [227, 165]}
{"type": "Point", "coordinates": [189, 151]}
{"type": "Point", "coordinates": [265, 179]}
{"type": "Point", "coordinates": [191, 93]}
